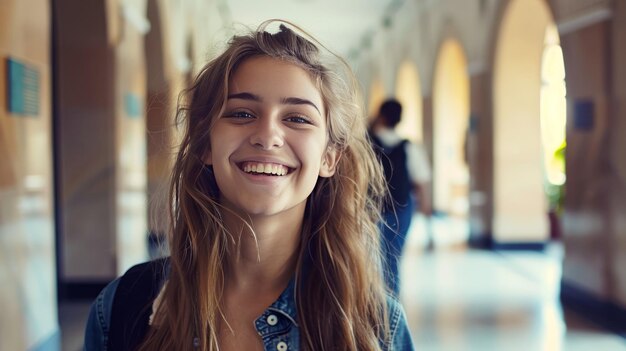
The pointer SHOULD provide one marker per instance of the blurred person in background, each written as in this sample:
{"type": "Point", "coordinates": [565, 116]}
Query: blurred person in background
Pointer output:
{"type": "Point", "coordinates": [408, 176]}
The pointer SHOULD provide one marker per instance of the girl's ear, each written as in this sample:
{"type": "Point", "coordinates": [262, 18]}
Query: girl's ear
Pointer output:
{"type": "Point", "coordinates": [329, 162]}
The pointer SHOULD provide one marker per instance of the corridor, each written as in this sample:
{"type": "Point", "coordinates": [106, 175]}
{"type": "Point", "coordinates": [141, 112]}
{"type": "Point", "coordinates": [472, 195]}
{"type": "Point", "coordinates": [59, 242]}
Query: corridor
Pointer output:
{"type": "Point", "coordinates": [518, 108]}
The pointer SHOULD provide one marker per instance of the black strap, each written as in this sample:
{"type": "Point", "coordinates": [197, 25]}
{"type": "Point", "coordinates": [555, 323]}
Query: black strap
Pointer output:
{"type": "Point", "coordinates": [132, 304]}
{"type": "Point", "coordinates": [394, 161]}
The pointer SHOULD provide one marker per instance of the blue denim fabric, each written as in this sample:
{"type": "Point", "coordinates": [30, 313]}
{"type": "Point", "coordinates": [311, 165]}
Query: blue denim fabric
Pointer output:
{"type": "Point", "coordinates": [277, 326]}
{"type": "Point", "coordinates": [97, 330]}
{"type": "Point", "coordinates": [399, 338]}
{"type": "Point", "coordinates": [394, 230]}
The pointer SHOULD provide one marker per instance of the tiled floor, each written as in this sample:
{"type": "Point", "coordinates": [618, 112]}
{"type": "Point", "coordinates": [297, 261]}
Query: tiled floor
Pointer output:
{"type": "Point", "coordinates": [73, 317]}
{"type": "Point", "coordinates": [461, 299]}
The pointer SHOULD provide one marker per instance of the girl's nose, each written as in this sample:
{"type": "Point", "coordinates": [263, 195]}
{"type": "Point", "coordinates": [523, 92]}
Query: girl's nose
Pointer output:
{"type": "Point", "coordinates": [267, 135]}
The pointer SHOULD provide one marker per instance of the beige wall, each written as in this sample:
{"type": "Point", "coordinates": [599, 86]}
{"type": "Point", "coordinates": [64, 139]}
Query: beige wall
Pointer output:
{"type": "Point", "coordinates": [159, 116]}
{"type": "Point", "coordinates": [109, 55]}
{"type": "Point", "coordinates": [617, 152]}
{"type": "Point", "coordinates": [480, 158]}
{"type": "Point", "coordinates": [593, 221]}
{"type": "Point", "coordinates": [520, 206]}
{"type": "Point", "coordinates": [450, 118]}
{"type": "Point", "coordinates": [27, 258]}
{"type": "Point", "coordinates": [409, 94]}
{"type": "Point", "coordinates": [130, 149]}
{"type": "Point", "coordinates": [585, 225]}
{"type": "Point", "coordinates": [428, 127]}
{"type": "Point", "coordinates": [120, 76]}
{"type": "Point", "coordinates": [86, 145]}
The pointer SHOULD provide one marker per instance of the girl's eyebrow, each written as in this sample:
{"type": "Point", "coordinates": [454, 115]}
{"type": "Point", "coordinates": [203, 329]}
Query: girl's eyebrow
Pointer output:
{"type": "Point", "coordinates": [298, 101]}
{"type": "Point", "coordinates": [245, 96]}
{"type": "Point", "coordinates": [286, 100]}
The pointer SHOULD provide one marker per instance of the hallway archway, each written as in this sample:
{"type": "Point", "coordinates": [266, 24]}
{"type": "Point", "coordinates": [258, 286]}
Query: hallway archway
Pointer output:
{"type": "Point", "coordinates": [409, 93]}
{"type": "Point", "coordinates": [520, 206]}
{"type": "Point", "coordinates": [375, 97]}
{"type": "Point", "coordinates": [450, 123]}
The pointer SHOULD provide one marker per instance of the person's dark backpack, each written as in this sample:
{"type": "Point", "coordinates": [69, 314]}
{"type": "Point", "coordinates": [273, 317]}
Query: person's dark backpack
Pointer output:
{"type": "Point", "coordinates": [393, 160]}
{"type": "Point", "coordinates": [132, 304]}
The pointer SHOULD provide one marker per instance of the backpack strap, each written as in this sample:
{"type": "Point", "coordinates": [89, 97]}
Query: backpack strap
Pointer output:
{"type": "Point", "coordinates": [393, 160]}
{"type": "Point", "coordinates": [397, 174]}
{"type": "Point", "coordinates": [132, 304]}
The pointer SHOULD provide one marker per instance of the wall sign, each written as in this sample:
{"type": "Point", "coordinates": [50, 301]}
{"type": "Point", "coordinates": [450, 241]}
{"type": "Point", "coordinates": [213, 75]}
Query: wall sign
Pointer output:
{"type": "Point", "coordinates": [23, 84]}
{"type": "Point", "coordinates": [133, 106]}
{"type": "Point", "coordinates": [583, 115]}
{"type": "Point", "coordinates": [473, 123]}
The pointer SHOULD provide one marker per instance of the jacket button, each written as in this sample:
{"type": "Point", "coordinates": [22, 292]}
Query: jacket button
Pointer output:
{"type": "Point", "coordinates": [281, 346]}
{"type": "Point", "coordinates": [272, 319]}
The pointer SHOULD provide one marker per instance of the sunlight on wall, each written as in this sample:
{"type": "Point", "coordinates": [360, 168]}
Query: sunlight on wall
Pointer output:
{"type": "Point", "coordinates": [409, 94]}
{"type": "Point", "coordinates": [451, 118]}
{"type": "Point", "coordinates": [520, 204]}
{"type": "Point", "coordinates": [375, 98]}
{"type": "Point", "coordinates": [553, 115]}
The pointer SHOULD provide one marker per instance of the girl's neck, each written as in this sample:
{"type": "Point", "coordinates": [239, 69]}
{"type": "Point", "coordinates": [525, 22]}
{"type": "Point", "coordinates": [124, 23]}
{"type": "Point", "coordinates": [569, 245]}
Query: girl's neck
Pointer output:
{"type": "Point", "coordinates": [264, 253]}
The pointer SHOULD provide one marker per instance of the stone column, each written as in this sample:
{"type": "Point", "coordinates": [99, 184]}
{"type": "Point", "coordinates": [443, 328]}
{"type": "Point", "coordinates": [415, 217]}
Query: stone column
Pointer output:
{"type": "Point", "coordinates": [480, 159]}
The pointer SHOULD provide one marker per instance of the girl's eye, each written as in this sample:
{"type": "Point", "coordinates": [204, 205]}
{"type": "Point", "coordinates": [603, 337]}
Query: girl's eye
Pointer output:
{"type": "Point", "coordinates": [298, 119]}
{"type": "Point", "coordinates": [239, 114]}
{"type": "Point", "coordinates": [239, 117]}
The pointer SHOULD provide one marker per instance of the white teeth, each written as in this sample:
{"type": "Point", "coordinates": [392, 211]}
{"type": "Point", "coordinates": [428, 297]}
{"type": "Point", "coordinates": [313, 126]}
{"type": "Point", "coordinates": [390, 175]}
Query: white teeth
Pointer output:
{"type": "Point", "coordinates": [265, 168]}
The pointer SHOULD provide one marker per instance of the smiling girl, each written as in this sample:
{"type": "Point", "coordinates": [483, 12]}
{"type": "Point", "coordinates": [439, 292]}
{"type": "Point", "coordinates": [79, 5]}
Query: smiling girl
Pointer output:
{"type": "Point", "coordinates": [276, 194]}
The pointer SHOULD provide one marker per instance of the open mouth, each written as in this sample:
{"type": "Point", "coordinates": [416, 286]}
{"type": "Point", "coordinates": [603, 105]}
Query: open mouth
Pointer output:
{"type": "Point", "coordinates": [268, 169]}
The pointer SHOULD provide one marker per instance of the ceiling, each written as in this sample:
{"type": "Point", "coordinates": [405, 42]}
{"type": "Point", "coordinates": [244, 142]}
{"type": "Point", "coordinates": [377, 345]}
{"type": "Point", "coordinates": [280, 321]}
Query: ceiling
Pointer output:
{"type": "Point", "coordinates": [341, 25]}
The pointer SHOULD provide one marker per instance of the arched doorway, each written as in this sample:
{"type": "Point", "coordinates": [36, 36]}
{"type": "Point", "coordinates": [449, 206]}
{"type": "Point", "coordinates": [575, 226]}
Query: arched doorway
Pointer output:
{"type": "Point", "coordinates": [520, 206]}
{"type": "Point", "coordinates": [375, 97]}
{"type": "Point", "coordinates": [409, 94]}
{"type": "Point", "coordinates": [450, 124]}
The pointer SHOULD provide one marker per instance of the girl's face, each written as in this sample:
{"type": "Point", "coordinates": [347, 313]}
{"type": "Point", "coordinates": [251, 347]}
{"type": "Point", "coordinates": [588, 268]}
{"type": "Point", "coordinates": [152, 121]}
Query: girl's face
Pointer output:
{"type": "Point", "coordinates": [270, 145]}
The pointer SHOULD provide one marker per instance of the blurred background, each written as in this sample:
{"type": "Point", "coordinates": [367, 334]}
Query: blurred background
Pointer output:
{"type": "Point", "coordinates": [520, 105]}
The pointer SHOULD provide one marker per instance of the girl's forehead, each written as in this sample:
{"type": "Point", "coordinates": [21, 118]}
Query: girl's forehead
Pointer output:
{"type": "Point", "coordinates": [268, 77]}
{"type": "Point", "coordinates": [264, 67]}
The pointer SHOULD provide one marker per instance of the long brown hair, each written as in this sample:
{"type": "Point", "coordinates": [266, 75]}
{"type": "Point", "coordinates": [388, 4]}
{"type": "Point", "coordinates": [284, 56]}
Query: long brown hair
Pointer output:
{"type": "Point", "coordinates": [340, 295]}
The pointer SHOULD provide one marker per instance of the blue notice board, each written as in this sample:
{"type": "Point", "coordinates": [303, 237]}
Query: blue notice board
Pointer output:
{"type": "Point", "coordinates": [584, 114]}
{"type": "Point", "coordinates": [22, 82]}
{"type": "Point", "coordinates": [133, 106]}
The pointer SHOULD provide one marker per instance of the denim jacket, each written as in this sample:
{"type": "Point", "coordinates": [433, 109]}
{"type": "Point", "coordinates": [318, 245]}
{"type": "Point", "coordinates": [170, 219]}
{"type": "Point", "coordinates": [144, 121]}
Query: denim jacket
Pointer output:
{"type": "Point", "coordinates": [277, 326]}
